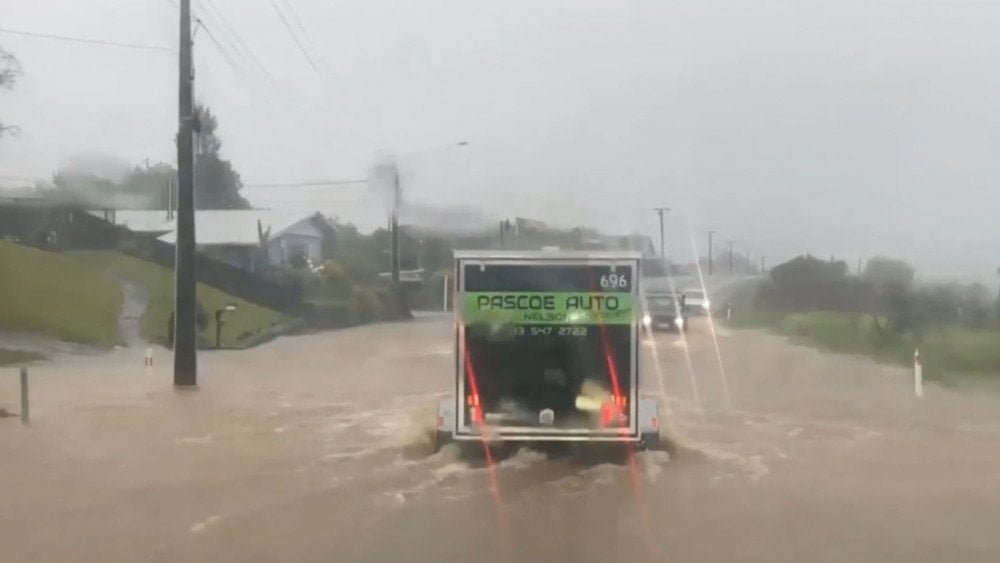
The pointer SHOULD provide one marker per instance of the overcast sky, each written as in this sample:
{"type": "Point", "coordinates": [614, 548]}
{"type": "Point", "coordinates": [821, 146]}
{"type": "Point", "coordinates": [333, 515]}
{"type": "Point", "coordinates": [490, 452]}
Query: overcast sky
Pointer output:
{"type": "Point", "coordinates": [841, 127]}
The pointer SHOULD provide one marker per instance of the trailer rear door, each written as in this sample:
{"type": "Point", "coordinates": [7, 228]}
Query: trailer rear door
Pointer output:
{"type": "Point", "coordinates": [547, 348]}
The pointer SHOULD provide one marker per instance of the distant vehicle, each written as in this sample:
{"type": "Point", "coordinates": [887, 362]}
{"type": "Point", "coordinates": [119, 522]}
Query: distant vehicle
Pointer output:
{"type": "Point", "coordinates": [547, 346]}
{"type": "Point", "coordinates": [697, 302]}
{"type": "Point", "coordinates": [665, 310]}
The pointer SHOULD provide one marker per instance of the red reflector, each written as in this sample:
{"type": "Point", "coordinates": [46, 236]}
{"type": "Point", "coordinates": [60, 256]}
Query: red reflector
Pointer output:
{"type": "Point", "coordinates": [621, 401]}
{"type": "Point", "coordinates": [472, 400]}
{"type": "Point", "coordinates": [477, 415]}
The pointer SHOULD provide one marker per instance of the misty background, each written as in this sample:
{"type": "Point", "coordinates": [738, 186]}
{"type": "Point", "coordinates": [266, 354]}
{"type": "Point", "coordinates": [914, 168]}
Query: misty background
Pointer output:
{"type": "Point", "coordinates": [848, 129]}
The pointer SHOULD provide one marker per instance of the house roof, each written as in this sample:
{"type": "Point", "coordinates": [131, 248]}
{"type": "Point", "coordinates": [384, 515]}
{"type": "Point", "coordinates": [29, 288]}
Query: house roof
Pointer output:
{"type": "Point", "coordinates": [140, 220]}
{"type": "Point", "coordinates": [238, 227]}
{"type": "Point", "coordinates": [218, 227]}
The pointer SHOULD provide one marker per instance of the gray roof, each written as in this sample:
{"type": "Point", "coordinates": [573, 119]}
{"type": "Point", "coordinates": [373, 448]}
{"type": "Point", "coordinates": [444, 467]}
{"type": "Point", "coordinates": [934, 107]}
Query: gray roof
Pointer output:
{"type": "Point", "coordinates": [218, 227]}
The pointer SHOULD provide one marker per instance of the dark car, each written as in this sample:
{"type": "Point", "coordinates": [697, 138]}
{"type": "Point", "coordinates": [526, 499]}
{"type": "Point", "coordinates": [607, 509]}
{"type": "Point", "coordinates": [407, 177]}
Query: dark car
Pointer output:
{"type": "Point", "coordinates": [665, 311]}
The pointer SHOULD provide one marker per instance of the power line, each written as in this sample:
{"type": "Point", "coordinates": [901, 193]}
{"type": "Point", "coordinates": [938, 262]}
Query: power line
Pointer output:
{"type": "Point", "coordinates": [239, 41]}
{"type": "Point", "coordinates": [222, 34]}
{"type": "Point", "coordinates": [306, 184]}
{"type": "Point", "coordinates": [225, 54]}
{"type": "Point", "coordinates": [298, 22]}
{"type": "Point", "coordinates": [294, 37]}
{"type": "Point", "coordinates": [225, 23]}
{"type": "Point", "coordinates": [84, 40]}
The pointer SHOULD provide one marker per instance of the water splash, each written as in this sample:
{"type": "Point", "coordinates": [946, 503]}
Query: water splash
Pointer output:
{"type": "Point", "coordinates": [711, 328]}
{"type": "Point", "coordinates": [687, 350]}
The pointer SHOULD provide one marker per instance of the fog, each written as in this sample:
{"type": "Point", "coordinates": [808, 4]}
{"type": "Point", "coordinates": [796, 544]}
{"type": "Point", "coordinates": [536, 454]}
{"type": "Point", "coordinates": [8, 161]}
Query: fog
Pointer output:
{"type": "Point", "coordinates": [838, 128]}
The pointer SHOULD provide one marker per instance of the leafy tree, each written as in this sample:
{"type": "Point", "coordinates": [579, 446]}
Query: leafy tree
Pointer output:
{"type": "Point", "coordinates": [10, 70]}
{"type": "Point", "coordinates": [217, 184]}
{"type": "Point", "coordinates": [436, 254]}
{"type": "Point", "coordinates": [149, 184]}
{"type": "Point", "coordinates": [807, 283]}
{"type": "Point", "coordinates": [882, 270]}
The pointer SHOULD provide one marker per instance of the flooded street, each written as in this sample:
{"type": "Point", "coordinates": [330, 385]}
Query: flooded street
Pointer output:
{"type": "Point", "coordinates": [317, 448]}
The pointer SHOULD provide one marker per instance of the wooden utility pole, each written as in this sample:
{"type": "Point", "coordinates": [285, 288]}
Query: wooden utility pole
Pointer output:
{"type": "Point", "coordinates": [730, 258]}
{"type": "Point", "coordinates": [710, 265]}
{"type": "Point", "coordinates": [660, 211]}
{"type": "Point", "coordinates": [185, 296]}
{"type": "Point", "coordinates": [394, 230]}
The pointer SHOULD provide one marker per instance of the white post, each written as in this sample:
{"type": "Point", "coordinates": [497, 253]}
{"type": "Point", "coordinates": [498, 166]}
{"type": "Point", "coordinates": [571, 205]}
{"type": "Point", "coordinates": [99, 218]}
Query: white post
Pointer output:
{"type": "Point", "coordinates": [918, 374]}
{"type": "Point", "coordinates": [444, 289]}
{"type": "Point", "coordinates": [149, 357]}
{"type": "Point", "coordinates": [25, 412]}
{"type": "Point", "coordinates": [729, 311]}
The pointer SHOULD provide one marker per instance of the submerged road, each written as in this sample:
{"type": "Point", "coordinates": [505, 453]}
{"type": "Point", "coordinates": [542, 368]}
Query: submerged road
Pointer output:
{"type": "Point", "coordinates": [316, 448]}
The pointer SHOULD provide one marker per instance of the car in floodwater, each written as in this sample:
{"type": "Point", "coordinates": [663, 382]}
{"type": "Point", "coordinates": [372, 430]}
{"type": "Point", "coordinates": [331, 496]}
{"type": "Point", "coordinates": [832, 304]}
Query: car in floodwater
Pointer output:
{"type": "Point", "coordinates": [665, 310]}
{"type": "Point", "coordinates": [697, 302]}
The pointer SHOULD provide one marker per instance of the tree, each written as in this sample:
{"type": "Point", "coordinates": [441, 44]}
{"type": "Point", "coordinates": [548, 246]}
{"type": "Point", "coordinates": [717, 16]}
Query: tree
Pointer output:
{"type": "Point", "coordinates": [807, 283]}
{"type": "Point", "coordinates": [436, 254]}
{"type": "Point", "coordinates": [217, 184]}
{"type": "Point", "coordinates": [148, 184]}
{"type": "Point", "coordinates": [10, 71]}
{"type": "Point", "coordinates": [882, 270]}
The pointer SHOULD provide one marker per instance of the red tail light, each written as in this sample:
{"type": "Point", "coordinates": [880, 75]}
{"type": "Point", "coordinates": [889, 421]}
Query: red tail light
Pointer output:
{"type": "Point", "coordinates": [477, 415]}
{"type": "Point", "coordinates": [472, 400]}
{"type": "Point", "coordinates": [621, 402]}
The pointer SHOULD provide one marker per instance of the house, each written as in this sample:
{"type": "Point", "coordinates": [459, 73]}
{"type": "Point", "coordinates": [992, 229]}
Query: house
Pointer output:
{"type": "Point", "coordinates": [246, 238]}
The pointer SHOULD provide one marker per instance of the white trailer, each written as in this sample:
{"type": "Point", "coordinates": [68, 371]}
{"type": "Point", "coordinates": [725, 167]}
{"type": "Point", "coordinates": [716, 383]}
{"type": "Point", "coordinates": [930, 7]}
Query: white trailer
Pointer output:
{"type": "Point", "coordinates": [547, 350]}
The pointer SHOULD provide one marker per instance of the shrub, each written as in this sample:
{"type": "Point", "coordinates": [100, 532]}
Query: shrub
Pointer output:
{"type": "Point", "coordinates": [364, 306]}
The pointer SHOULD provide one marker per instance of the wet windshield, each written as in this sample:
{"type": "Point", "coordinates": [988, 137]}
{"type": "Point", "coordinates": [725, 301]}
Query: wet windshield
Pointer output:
{"type": "Point", "coordinates": [571, 281]}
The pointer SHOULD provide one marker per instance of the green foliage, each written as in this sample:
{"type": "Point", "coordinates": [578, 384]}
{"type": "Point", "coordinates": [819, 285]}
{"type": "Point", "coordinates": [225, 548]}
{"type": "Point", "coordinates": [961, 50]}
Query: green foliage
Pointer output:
{"type": "Point", "coordinates": [332, 283]}
{"type": "Point", "coordinates": [364, 305]}
{"type": "Point", "coordinates": [218, 184]}
{"type": "Point", "coordinates": [55, 295]}
{"type": "Point", "coordinates": [883, 271]}
{"type": "Point", "coordinates": [946, 353]}
{"type": "Point", "coordinates": [436, 254]}
{"type": "Point", "coordinates": [10, 70]}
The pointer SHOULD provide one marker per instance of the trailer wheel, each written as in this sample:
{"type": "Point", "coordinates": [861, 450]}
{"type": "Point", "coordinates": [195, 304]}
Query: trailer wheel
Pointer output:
{"type": "Point", "coordinates": [441, 439]}
{"type": "Point", "coordinates": [650, 441]}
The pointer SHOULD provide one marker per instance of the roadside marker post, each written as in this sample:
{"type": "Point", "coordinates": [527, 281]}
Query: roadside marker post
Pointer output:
{"type": "Point", "coordinates": [149, 357]}
{"type": "Point", "coordinates": [25, 412]}
{"type": "Point", "coordinates": [444, 290]}
{"type": "Point", "coordinates": [918, 374]}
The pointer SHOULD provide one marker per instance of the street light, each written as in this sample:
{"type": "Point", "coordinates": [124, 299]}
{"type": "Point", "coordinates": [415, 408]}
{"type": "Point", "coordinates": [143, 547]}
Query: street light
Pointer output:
{"type": "Point", "coordinates": [230, 307]}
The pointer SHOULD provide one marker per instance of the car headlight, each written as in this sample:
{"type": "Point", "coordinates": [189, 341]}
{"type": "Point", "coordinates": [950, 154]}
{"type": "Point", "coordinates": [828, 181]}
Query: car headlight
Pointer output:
{"type": "Point", "coordinates": [647, 320]}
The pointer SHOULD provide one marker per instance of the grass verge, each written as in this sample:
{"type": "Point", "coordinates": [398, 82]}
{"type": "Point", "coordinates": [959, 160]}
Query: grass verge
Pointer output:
{"type": "Point", "coordinates": [10, 357]}
{"type": "Point", "coordinates": [241, 327]}
{"type": "Point", "coordinates": [949, 354]}
{"type": "Point", "coordinates": [55, 295]}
